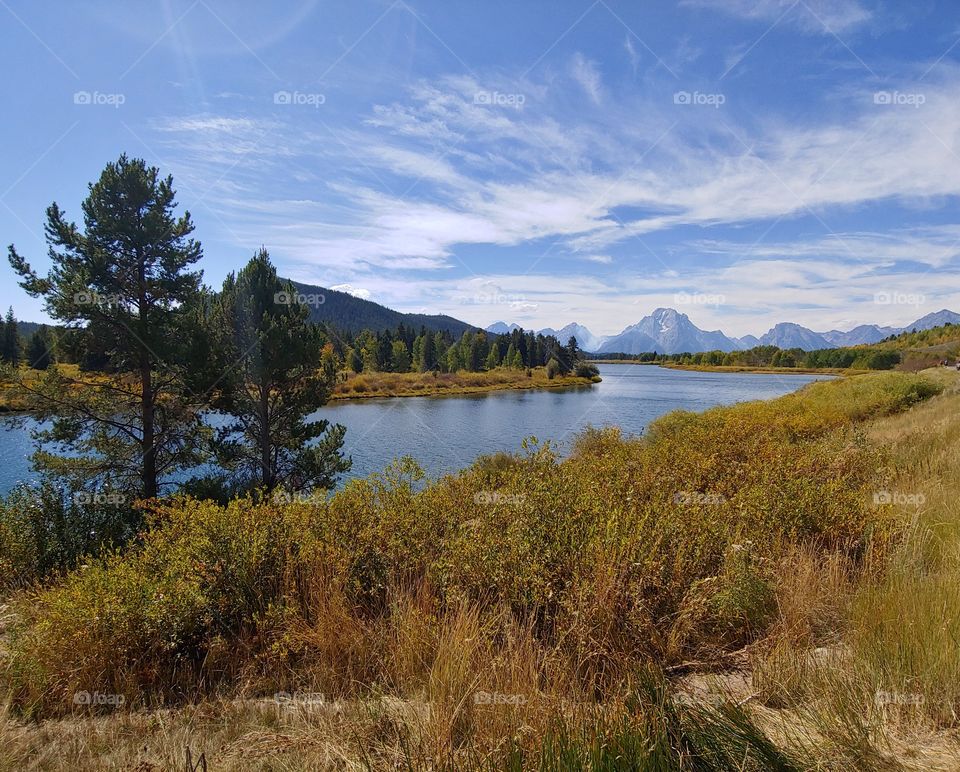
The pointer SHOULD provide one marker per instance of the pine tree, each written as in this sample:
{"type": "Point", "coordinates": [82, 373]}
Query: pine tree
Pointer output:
{"type": "Point", "coordinates": [493, 360]}
{"type": "Point", "coordinates": [417, 361]}
{"type": "Point", "coordinates": [355, 359]}
{"type": "Point", "coordinates": [400, 357]}
{"type": "Point", "coordinates": [275, 377]}
{"type": "Point", "coordinates": [512, 358]}
{"type": "Point", "coordinates": [40, 350]}
{"type": "Point", "coordinates": [10, 345]}
{"type": "Point", "coordinates": [125, 278]}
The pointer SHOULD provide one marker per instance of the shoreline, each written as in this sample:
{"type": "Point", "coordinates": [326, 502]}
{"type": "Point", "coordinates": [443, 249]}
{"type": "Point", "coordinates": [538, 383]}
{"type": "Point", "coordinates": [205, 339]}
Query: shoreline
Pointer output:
{"type": "Point", "coordinates": [739, 368]}
{"type": "Point", "coordinates": [464, 391]}
{"type": "Point", "coordinates": [397, 385]}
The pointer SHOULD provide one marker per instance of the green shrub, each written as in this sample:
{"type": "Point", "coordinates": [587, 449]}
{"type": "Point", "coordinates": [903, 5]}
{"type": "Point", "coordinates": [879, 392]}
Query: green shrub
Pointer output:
{"type": "Point", "coordinates": [45, 530]}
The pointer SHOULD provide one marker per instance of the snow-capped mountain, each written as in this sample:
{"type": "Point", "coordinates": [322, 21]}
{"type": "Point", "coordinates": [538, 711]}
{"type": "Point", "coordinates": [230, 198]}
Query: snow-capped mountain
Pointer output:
{"type": "Point", "coordinates": [865, 333]}
{"type": "Point", "coordinates": [790, 335]}
{"type": "Point", "coordinates": [585, 339]}
{"type": "Point", "coordinates": [502, 328]}
{"type": "Point", "coordinates": [668, 331]}
{"type": "Point", "coordinates": [671, 332]}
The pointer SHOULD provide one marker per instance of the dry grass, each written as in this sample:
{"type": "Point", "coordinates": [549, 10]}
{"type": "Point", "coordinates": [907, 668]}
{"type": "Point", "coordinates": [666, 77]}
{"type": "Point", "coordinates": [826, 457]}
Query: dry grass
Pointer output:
{"type": "Point", "coordinates": [371, 385]}
{"type": "Point", "coordinates": [879, 683]}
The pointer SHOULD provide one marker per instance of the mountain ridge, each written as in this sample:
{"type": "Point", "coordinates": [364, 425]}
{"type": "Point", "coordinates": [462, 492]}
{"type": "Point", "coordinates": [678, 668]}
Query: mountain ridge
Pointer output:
{"type": "Point", "coordinates": [669, 331]}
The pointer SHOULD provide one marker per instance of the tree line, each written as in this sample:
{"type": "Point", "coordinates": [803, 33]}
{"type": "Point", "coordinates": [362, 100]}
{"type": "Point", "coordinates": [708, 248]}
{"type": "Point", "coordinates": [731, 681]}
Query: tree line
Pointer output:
{"type": "Point", "coordinates": [864, 358]}
{"type": "Point", "coordinates": [407, 350]}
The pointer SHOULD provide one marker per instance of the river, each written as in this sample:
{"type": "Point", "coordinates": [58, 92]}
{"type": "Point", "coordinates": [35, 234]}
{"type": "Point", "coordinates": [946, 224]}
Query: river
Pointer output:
{"type": "Point", "coordinates": [447, 433]}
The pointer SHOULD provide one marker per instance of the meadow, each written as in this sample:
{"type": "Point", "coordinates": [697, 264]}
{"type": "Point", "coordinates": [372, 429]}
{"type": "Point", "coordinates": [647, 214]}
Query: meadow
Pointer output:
{"type": "Point", "coordinates": [771, 585]}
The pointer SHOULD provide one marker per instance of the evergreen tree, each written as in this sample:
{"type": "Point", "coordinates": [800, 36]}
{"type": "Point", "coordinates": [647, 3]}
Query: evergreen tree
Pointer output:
{"type": "Point", "coordinates": [573, 353]}
{"type": "Point", "coordinates": [493, 359]}
{"type": "Point", "coordinates": [40, 350]}
{"type": "Point", "coordinates": [125, 277]}
{"type": "Point", "coordinates": [417, 362]}
{"type": "Point", "coordinates": [435, 355]}
{"type": "Point", "coordinates": [512, 358]}
{"type": "Point", "coordinates": [355, 359]}
{"type": "Point", "coordinates": [10, 344]}
{"type": "Point", "coordinates": [277, 379]}
{"type": "Point", "coordinates": [453, 359]}
{"type": "Point", "coordinates": [400, 357]}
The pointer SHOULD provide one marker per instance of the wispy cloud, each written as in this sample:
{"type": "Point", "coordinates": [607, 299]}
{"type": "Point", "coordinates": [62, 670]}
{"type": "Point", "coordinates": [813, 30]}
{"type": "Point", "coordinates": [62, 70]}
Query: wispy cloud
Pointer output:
{"type": "Point", "coordinates": [812, 16]}
{"type": "Point", "coordinates": [586, 73]}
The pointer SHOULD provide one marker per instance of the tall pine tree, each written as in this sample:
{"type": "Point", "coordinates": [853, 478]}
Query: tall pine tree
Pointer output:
{"type": "Point", "coordinates": [276, 381]}
{"type": "Point", "coordinates": [124, 279]}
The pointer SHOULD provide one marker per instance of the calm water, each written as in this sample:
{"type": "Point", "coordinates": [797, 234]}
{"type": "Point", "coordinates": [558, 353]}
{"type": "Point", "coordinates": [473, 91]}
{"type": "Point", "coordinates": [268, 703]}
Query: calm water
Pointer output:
{"type": "Point", "coordinates": [448, 433]}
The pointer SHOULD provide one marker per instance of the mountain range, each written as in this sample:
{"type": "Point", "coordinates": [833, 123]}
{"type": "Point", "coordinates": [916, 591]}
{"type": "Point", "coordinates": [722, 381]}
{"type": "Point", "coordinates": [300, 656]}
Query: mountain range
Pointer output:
{"type": "Point", "coordinates": [666, 330]}
{"type": "Point", "coordinates": [669, 331]}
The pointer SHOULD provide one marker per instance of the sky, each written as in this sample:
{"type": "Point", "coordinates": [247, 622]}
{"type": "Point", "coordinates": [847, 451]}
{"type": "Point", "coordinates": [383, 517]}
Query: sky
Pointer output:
{"type": "Point", "coordinates": [744, 161]}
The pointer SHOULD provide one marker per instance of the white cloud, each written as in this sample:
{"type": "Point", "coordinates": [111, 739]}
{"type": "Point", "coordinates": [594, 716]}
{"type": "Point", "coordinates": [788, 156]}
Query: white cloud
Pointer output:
{"type": "Point", "coordinates": [405, 198]}
{"type": "Point", "coordinates": [814, 16]}
{"type": "Point", "coordinates": [585, 73]}
{"type": "Point", "coordinates": [632, 54]}
{"type": "Point", "coordinates": [357, 292]}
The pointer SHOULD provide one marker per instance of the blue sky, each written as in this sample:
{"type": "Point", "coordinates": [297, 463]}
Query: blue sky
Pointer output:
{"type": "Point", "coordinates": [747, 162]}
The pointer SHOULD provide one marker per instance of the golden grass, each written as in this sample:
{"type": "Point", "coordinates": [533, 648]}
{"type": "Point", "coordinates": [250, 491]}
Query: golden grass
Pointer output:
{"type": "Point", "coordinates": [378, 385]}
{"type": "Point", "coordinates": [14, 399]}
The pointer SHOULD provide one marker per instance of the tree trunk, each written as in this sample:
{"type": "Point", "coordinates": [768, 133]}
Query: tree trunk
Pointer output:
{"type": "Point", "coordinates": [266, 467]}
{"type": "Point", "coordinates": [149, 471]}
{"type": "Point", "coordinates": [148, 474]}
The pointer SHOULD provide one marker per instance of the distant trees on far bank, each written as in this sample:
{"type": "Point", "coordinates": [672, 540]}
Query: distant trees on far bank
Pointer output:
{"type": "Point", "coordinates": [407, 350]}
{"type": "Point", "coordinates": [864, 358]}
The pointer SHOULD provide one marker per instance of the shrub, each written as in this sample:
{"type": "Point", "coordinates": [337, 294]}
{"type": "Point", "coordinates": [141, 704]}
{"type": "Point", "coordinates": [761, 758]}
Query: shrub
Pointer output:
{"type": "Point", "coordinates": [45, 530]}
{"type": "Point", "coordinates": [586, 370]}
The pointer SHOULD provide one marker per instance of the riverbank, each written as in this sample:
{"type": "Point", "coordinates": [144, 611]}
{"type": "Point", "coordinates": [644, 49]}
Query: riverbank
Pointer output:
{"type": "Point", "coordinates": [385, 385]}
{"type": "Point", "coordinates": [771, 370]}
{"type": "Point", "coordinates": [381, 385]}
{"type": "Point", "coordinates": [736, 368]}
{"type": "Point", "coordinates": [529, 610]}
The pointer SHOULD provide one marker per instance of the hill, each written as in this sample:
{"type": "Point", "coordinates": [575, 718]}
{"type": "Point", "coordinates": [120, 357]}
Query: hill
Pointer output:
{"type": "Point", "coordinates": [346, 312]}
